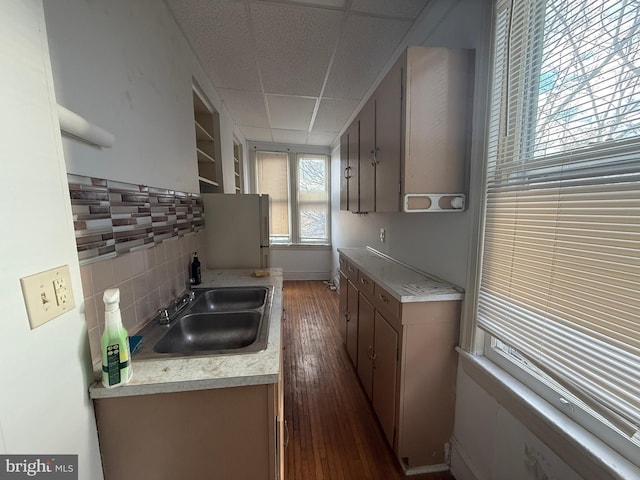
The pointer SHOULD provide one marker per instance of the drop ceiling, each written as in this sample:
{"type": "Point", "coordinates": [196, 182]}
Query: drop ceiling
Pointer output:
{"type": "Point", "coordinates": [294, 71]}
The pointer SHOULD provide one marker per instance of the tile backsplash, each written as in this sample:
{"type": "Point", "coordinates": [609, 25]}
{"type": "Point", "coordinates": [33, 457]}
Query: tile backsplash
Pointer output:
{"type": "Point", "coordinates": [136, 238]}
{"type": "Point", "coordinates": [112, 218]}
{"type": "Point", "coordinates": [148, 279]}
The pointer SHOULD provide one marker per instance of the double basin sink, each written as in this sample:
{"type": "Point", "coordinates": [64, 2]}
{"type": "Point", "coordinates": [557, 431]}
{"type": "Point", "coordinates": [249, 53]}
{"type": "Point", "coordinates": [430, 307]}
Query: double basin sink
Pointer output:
{"type": "Point", "coordinates": [217, 321]}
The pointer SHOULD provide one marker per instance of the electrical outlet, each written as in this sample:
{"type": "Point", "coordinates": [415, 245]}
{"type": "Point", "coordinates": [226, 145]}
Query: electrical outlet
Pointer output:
{"type": "Point", "coordinates": [60, 289]}
{"type": "Point", "coordinates": [47, 295]}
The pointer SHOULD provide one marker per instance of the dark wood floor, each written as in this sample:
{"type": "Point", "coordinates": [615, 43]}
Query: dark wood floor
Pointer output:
{"type": "Point", "coordinates": [333, 434]}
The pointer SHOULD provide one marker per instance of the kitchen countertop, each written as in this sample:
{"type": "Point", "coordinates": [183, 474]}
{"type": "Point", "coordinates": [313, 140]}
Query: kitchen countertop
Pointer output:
{"type": "Point", "coordinates": [404, 283]}
{"type": "Point", "coordinates": [178, 374]}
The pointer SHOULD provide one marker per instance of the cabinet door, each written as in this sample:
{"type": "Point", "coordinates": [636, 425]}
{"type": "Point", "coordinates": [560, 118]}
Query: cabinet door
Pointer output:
{"type": "Point", "coordinates": [352, 322]}
{"type": "Point", "coordinates": [344, 171]}
{"type": "Point", "coordinates": [366, 319]}
{"type": "Point", "coordinates": [343, 305]}
{"type": "Point", "coordinates": [389, 140]}
{"type": "Point", "coordinates": [384, 375]}
{"type": "Point", "coordinates": [367, 168]}
{"type": "Point", "coordinates": [353, 169]}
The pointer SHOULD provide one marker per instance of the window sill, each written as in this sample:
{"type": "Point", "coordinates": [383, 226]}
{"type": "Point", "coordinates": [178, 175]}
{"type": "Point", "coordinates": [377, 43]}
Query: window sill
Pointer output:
{"type": "Point", "coordinates": [587, 455]}
{"type": "Point", "coordinates": [300, 246]}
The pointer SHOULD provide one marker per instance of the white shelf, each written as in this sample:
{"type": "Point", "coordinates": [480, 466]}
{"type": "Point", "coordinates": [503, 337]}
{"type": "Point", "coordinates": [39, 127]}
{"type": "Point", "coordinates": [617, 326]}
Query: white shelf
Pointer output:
{"type": "Point", "coordinates": [203, 156]}
{"type": "Point", "coordinates": [208, 181]}
{"type": "Point", "coordinates": [202, 134]}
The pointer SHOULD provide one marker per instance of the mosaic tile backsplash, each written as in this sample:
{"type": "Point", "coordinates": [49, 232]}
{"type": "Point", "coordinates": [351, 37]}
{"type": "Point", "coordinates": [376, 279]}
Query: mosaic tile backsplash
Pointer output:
{"type": "Point", "coordinates": [112, 218]}
{"type": "Point", "coordinates": [138, 239]}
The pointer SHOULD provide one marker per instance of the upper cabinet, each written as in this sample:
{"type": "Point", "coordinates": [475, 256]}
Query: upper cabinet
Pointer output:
{"type": "Point", "coordinates": [406, 149]}
{"type": "Point", "coordinates": [207, 145]}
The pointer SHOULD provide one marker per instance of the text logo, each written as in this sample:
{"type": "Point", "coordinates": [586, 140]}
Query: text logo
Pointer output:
{"type": "Point", "coordinates": [50, 467]}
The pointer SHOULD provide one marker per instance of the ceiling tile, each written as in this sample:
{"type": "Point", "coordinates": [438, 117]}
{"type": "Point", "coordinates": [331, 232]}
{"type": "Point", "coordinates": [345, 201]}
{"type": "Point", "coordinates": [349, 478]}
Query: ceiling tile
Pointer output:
{"type": "Point", "coordinates": [333, 113]}
{"type": "Point", "coordinates": [297, 137]}
{"type": "Point", "coordinates": [255, 134]}
{"type": "Point", "coordinates": [321, 138]}
{"type": "Point", "coordinates": [290, 112]}
{"type": "Point", "coordinates": [364, 49]}
{"type": "Point", "coordinates": [294, 46]}
{"type": "Point", "coordinates": [397, 8]}
{"type": "Point", "coordinates": [246, 108]}
{"type": "Point", "coordinates": [218, 31]}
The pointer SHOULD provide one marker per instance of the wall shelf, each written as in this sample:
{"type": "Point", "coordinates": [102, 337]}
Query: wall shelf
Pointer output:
{"type": "Point", "coordinates": [207, 130]}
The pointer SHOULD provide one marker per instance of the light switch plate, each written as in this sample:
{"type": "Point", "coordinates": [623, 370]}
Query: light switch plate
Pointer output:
{"type": "Point", "coordinates": [47, 295]}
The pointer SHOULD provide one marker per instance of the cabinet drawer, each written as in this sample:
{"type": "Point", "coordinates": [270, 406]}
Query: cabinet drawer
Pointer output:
{"type": "Point", "coordinates": [365, 285]}
{"type": "Point", "coordinates": [351, 271]}
{"type": "Point", "coordinates": [385, 303]}
{"type": "Point", "coordinates": [343, 264]}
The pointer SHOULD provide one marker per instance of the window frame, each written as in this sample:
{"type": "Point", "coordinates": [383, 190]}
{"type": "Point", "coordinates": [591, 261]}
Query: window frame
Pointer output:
{"type": "Point", "coordinates": [293, 153]}
{"type": "Point", "coordinates": [484, 342]}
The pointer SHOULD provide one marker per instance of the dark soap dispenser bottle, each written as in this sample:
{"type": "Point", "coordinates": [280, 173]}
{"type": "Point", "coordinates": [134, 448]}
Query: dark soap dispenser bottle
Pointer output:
{"type": "Point", "coordinates": [196, 275]}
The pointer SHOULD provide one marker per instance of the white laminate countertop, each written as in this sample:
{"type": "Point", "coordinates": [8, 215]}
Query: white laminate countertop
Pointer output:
{"type": "Point", "coordinates": [215, 371]}
{"type": "Point", "coordinates": [403, 282]}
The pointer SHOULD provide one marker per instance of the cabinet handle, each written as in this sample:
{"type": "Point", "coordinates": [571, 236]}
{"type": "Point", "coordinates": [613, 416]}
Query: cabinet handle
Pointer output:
{"type": "Point", "coordinates": [383, 298]}
{"type": "Point", "coordinates": [286, 434]}
{"type": "Point", "coordinates": [371, 352]}
{"type": "Point", "coordinates": [375, 156]}
{"type": "Point", "coordinates": [347, 316]}
{"type": "Point", "coordinates": [363, 281]}
{"type": "Point", "coordinates": [351, 269]}
{"type": "Point", "coordinates": [372, 157]}
{"type": "Point", "coordinates": [347, 173]}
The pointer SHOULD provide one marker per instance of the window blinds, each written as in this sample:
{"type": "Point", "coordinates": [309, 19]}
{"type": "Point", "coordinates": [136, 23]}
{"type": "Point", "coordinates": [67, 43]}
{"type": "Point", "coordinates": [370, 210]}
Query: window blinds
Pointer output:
{"type": "Point", "coordinates": [560, 276]}
{"type": "Point", "coordinates": [273, 179]}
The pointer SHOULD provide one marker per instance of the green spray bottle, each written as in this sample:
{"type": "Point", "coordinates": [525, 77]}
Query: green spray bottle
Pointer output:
{"type": "Point", "coordinates": [116, 356]}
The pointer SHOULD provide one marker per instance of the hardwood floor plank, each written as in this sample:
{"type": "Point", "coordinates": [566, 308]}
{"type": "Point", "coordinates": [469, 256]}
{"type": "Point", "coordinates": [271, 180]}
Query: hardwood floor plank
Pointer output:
{"type": "Point", "coordinates": [333, 432]}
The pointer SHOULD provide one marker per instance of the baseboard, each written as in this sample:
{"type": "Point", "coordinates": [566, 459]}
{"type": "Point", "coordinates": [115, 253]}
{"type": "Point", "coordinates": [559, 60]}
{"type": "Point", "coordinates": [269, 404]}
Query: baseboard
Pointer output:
{"type": "Point", "coordinates": [306, 275]}
{"type": "Point", "coordinates": [460, 466]}
{"type": "Point", "coordinates": [441, 467]}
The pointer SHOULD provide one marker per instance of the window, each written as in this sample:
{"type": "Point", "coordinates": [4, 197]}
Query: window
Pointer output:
{"type": "Point", "coordinates": [559, 288]}
{"type": "Point", "coordinates": [298, 185]}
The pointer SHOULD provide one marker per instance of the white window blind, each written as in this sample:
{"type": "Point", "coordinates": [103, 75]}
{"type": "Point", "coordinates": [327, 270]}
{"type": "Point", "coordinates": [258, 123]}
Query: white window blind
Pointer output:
{"type": "Point", "coordinates": [560, 276]}
{"type": "Point", "coordinates": [272, 173]}
{"type": "Point", "coordinates": [298, 185]}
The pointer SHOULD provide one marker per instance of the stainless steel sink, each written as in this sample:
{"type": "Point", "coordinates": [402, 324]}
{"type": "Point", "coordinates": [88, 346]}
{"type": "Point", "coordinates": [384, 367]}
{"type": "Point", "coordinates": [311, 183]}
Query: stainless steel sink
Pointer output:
{"type": "Point", "coordinates": [229, 299]}
{"type": "Point", "coordinates": [219, 321]}
{"type": "Point", "coordinates": [198, 332]}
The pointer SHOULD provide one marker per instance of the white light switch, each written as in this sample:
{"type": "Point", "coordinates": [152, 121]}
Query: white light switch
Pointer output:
{"type": "Point", "coordinates": [47, 295]}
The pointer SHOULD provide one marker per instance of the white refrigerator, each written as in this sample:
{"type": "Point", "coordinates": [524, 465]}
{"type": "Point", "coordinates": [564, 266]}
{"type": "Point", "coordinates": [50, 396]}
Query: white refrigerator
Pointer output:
{"type": "Point", "coordinates": [237, 230]}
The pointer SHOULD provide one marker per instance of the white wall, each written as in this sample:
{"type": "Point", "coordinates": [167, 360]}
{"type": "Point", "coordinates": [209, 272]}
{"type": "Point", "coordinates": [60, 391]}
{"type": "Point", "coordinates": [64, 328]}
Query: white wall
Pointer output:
{"type": "Point", "coordinates": [127, 67]}
{"type": "Point", "coordinates": [302, 263]}
{"type": "Point", "coordinates": [44, 406]}
{"type": "Point", "coordinates": [491, 444]}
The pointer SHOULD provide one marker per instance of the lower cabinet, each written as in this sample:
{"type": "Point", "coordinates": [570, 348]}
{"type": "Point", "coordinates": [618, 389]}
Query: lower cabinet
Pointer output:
{"type": "Point", "coordinates": [366, 336]}
{"type": "Point", "coordinates": [351, 321]}
{"type": "Point", "coordinates": [220, 433]}
{"type": "Point", "coordinates": [406, 361]}
{"type": "Point", "coordinates": [385, 370]}
{"type": "Point", "coordinates": [378, 364]}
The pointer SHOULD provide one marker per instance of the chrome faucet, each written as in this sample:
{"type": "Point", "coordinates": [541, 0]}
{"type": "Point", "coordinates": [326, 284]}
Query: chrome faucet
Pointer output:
{"type": "Point", "coordinates": [163, 316]}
